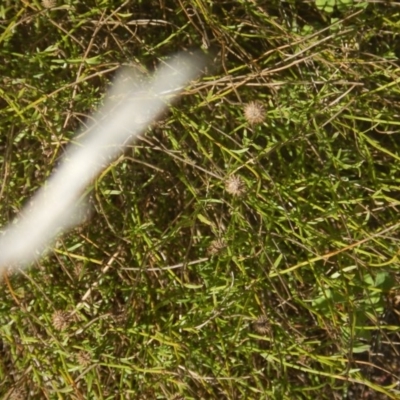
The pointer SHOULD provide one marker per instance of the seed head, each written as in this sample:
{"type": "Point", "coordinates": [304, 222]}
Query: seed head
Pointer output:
{"type": "Point", "coordinates": [18, 394]}
{"type": "Point", "coordinates": [83, 358]}
{"type": "Point", "coordinates": [49, 3]}
{"type": "Point", "coordinates": [254, 113]}
{"type": "Point", "coordinates": [394, 297]}
{"type": "Point", "coordinates": [216, 247]}
{"type": "Point", "coordinates": [235, 186]}
{"type": "Point", "coordinates": [261, 325]}
{"type": "Point", "coordinates": [61, 320]}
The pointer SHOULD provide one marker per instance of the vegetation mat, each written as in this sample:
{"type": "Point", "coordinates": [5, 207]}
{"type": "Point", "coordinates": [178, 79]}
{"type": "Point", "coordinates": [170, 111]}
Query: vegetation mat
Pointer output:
{"type": "Point", "coordinates": [246, 246]}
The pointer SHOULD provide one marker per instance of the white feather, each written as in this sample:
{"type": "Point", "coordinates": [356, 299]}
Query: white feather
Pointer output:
{"type": "Point", "coordinates": [128, 110]}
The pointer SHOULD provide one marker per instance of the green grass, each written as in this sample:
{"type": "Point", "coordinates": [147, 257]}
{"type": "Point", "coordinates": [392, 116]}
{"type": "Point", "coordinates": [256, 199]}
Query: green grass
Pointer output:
{"type": "Point", "coordinates": [135, 304]}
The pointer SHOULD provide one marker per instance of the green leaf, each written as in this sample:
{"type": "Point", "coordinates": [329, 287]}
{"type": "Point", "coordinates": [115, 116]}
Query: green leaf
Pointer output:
{"type": "Point", "coordinates": [325, 5]}
{"type": "Point", "coordinates": [203, 219]}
